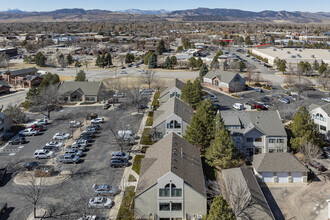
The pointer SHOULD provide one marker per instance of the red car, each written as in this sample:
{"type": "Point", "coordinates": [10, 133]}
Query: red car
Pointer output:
{"type": "Point", "coordinates": [256, 105]}
{"type": "Point", "coordinates": [37, 127]}
{"type": "Point", "coordinates": [317, 166]}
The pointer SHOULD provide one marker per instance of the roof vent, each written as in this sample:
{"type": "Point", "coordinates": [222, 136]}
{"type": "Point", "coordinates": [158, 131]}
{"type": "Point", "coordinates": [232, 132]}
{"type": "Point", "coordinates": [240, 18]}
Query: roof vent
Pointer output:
{"type": "Point", "coordinates": [181, 153]}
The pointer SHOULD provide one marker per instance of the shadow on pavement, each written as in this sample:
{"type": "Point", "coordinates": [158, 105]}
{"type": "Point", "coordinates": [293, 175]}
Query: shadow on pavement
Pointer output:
{"type": "Point", "coordinates": [272, 203]}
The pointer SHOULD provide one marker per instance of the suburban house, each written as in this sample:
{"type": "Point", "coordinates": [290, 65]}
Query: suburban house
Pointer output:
{"type": "Point", "coordinates": [279, 168]}
{"type": "Point", "coordinates": [321, 117]}
{"type": "Point", "coordinates": [173, 89]}
{"type": "Point", "coordinates": [81, 91]}
{"type": "Point", "coordinates": [256, 132]}
{"type": "Point", "coordinates": [171, 184]}
{"type": "Point", "coordinates": [243, 190]}
{"type": "Point", "coordinates": [4, 87]}
{"type": "Point", "coordinates": [15, 77]}
{"type": "Point", "coordinates": [225, 81]}
{"type": "Point", "coordinates": [172, 116]}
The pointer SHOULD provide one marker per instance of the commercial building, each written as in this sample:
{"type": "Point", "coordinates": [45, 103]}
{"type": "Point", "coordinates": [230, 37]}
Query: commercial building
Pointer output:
{"type": "Point", "coordinates": [9, 51]}
{"type": "Point", "coordinates": [225, 81]}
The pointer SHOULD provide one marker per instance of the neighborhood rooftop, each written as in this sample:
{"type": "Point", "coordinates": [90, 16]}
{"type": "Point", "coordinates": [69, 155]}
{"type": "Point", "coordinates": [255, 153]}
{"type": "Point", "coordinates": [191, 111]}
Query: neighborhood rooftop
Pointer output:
{"type": "Point", "coordinates": [173, 83]}
{"type": "Point", "coordinates": [172, 154]}
{"type": "Point", "coordinates": [88, 88]}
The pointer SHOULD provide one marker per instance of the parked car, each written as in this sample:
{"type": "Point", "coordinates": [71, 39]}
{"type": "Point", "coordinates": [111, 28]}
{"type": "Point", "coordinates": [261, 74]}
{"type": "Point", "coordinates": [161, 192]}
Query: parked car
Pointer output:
{"type": "Point", "coordinates": [74, 124]}
{"type": "Point", "coordinates": [265, 99]}
{"type": "Point", "coordinates": [55, 144]}
{"type": "Point", "coordinates": [79, 143]}
{"type": "Point", "coordinates": [119, 95]}
{"type": "Point", "coordinates": [41, 122]}
{"type": "Point", "coordinates": [259, 106]}
{"type": "Point", "coordinates": [97, 120]}
{"type": "Point", "coordinates": [212, 97]}
{"type": "Point", "coordinates": [74, 151]}
{"type": "Point", "coordinates": [259, 90]}
{"type": "Point", "coordinates": [100, 202]}
{"type": "Point", "coordinates": [216, 106]}
{"type": "Point", "coordinates": [120, 154]}
{"type": "Point", "coordinates": [327, 99]}
{"type": "Point", "coordinates": [91, 116]}
{"type": "Point", "coordinates": [123, 72]}
{"type": "Point", "coordinates": [37, 127]}
{"type": "Point", "coordinates": [238, 106]}
{"type": "Point", "coordinates": [95, 126]}
{"type": "Point", "coordinates": [68, 158]}
{"type": "Point", "coordinates": [30, 132]}
{"type": "Point", "coordinates": [18, 140]}
{"type": "Point", "coordinates": [284, 100]}
{"type": "Point", "coordinates": [85, 137]}
{"type": "Point", "coordinates": [118, 162]}
{"type": "Point", "coordinates": [3, 172]}
{"type": "Point", "coordinates": [61, 136]}
{"type": "Point", "coordinates": [317, 166]}
{"type": "Point", "coordinates": [31, 165]}
{"type": "Point", "coordinates": [106, 106]}
{"type": "Point", "coordinates": [105, 189]}
{"type": "Point", "coordinates": [127, 135]}
{"type": "Point", "coordinates": [43, 154]}
{"type": "Point", "coordinates": [113, 100]}
{"type": "Point", "coordinates": [60, 69]}
{"type": "Point", "coordinates": [89, 134]}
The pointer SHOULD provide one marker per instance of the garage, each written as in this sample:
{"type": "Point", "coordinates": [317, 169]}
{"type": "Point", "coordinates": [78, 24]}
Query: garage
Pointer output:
{"type": "Point", "coordinates": [297, 177]}
{"type": "Point", "coordinates": [268, 177]}
{"type": "Point", "coordinates": [283, 177]}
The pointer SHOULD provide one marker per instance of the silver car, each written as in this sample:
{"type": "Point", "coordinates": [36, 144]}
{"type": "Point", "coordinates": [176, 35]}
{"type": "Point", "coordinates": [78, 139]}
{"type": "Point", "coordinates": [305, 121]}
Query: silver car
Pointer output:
{"type": "Point", "coordinates": [105, 189]}
{"type": "Point", "coordinates": [100, 202]}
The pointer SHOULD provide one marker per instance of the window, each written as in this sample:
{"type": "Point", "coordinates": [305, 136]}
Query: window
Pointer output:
{"type": "Point", "coordinates": [165, 192]}
{"type": "Point", "coordinates": [257, 139]}
{"type": "Point", "coordinates": [176, 206]}
{"type": "Point", "coordinates": [258, 150]}
{"type": "Point", "coordinates": [280, 141]}
{"type": "Point", "coordinates": [271, 141]}
{"type": "Point", "coordinates": [173, 124]}
{"type": "Point", "coordinates": [237, 140]}
{"type": "Point", "coordinates": [271, 150]}
{"type": "Point", "coordinates": [323, 128]}
{"type": "Point", "coordinates": [158, 134]}
{"type": "Point", "coordinates": [164, 206]}
{"type": "Point", "coordinates": [249, 139]}
{"type": "Point", "coordinates": [279, 151]}
{"type": "Point", "coordinates": [176, 192]}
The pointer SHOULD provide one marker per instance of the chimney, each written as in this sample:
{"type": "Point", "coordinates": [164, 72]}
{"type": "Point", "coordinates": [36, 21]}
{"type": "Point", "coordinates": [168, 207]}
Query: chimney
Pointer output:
{"type": "Point", "coordinates": [181, 153]}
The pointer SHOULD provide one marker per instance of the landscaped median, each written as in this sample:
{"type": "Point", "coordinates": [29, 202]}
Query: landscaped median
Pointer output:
{"type": "Point", "coordinates": [137, 163]}
{"type": "Point", "coordinates": [126, 210]}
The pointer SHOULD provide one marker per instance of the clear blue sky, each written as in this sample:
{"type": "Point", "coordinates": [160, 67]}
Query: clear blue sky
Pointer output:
{"type": "Point", "coordinates": [250, 5]}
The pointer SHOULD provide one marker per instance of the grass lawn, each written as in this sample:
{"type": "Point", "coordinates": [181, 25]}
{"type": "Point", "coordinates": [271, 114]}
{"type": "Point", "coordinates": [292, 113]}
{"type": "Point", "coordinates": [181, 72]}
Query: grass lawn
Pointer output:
{"type": "Point", "coordinates": [137, 163]}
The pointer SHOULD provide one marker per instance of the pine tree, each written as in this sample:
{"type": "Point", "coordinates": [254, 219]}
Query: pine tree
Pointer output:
{"type": "Point", "coordinates": [98, 61]}
{"type": "Point", "coordinates": [40, 59]}
{"type": "Point", "coordinates": [201, 128]}
{"type": "Point", "coordinates": [222, 150]}
{"type": "Point", "coordinates": [192, 62]}
{"type": "Point", "coordinates": [108, 59]}
{"type": "Point", "coordinates": [146, 58]}
{"type": "Point", "coordinates": [220, 210]}
{"type": "Point", "coordinates": [69, 59]}
{"type": "Point", "coordinates": [199, 63]}
{"type": "Point", "coordinates": [168, 64]}
{"type": "Point", "coordinates": [186, 92]}
{"type": "Point", "coordinates": [196, 94]}
{"type": "Point", "coordinates": [80, 76]}
{"type": "Point", "coordinates": [282, 66]}
{"type": "Point", "coordinates": [174, 61]}
{"type": "Point", "coordinates": [316, 65]}
{"type": "Point", "coordinates": [303, 129]}
{"type": "Point", "coordinates": [152, 63]}
{"type": "Point", "coordinates": [203, 71]}
{"type": "Point", "coordinates": [160, 48]}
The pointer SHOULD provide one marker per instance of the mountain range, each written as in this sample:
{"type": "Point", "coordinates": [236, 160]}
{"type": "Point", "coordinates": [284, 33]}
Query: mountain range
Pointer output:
{"type": "Point", "coordinates": [199, 14]}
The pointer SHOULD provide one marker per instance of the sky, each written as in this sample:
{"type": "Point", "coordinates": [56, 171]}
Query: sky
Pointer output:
{"type": "Point", "coordinates": [114, 5]}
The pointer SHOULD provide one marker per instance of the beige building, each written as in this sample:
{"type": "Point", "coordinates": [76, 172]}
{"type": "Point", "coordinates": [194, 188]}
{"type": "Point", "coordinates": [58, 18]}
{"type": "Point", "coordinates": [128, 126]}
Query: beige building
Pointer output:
{"type": "Point", "coordinates": [171, 185]}
{"type": "Point", "coordinates": [173, 89]}
{"type": "Point", "coordinates": [321, 117]}
{"type": "Point", "coordinates": [226, 81]}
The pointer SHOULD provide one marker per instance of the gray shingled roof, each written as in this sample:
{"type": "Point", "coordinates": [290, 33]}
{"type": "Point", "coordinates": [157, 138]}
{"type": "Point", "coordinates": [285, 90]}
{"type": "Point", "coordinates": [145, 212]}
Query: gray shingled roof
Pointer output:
{"type": "Point", "coordinates": [326, 108]}
{"type": "Point", "coordinates": [32, 77]}
{"type": "Point", "coordinates": [268, 122]}
{"type": "Point", "coordinates": [277, 162]}
{"type": "Point", "coordinates": [23, 71]}
{"type": "Point", "coordinates": [223, 76]}
{"type": "Point", "coordinates": [173, 83]}
{"type": "Point", "coordinates": [165, 156]}
{"type": "Point", "coordinates": [3, 83]}
{"type": "Point", "coordinates": [88, 88]}
{"type": "Point", "coordinates": [173, 106]}
{"type": "Point", "coordinates": [240, 181]}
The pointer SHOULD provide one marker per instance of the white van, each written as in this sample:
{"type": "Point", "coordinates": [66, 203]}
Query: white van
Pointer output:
{"type": "Point", "coordinates": [238, 106]}
{"type": "Point", "coordinates": [127, 135]}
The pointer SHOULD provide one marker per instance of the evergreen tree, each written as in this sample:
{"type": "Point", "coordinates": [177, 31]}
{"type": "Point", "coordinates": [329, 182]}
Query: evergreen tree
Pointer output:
{"type": "Point", "coordinates": [98, 61]}
{"type": "Point", "coordinates": [322, 68]}
{"type": "Point", "coordinates": [282, 66]}
{"type": "Point", "coordinates": [187, 44]}
{"type": "Point", "coordinates": [174, 61]}
{"type": "Point", "coordinates": [180, 48]}
{"type": "Point", "coordinates": [218, 54]}
{"type": "Point", "coordinates": [69, 59]}
{"type": "Point", "coordinates": [160, 48]}
{"type": "Point", "coordinates": [241, 66]}
{"type": "Point", "coordinates": [203, 71]}
{"type": "Point", "coordinates": [316, 65]}
{"type": "Point", "coordinates": [168, 64]}
{"type": "Point", "coordinates": [49, 79]}
{"type": "Point", "coordinates": [40, 59]}
{"type": "Point", "coordinates": [215, 63]}
{"type": "Point", "coordinates": [197, 94]}
{"type": "Point", "coordinates": [199, 63]}
{"type": "Point", "coordinates": [152, 63]}
{"type": "Point", "coordinates": [108, 59]}
{"type": "Point", "coordinates": [146, 58]}
{"type": "Point", "coordinates": [303, 129]}
{"type": "Point", "coordinates": [192, 62]}
{"type": "Point", "coordinates": [219, 210]}
{"type": "Point", "coordinates": [80, 76]}
{"type": "Point", "coordinates": [129, 58]}
{"type": "Point", "coordinates": [222, 151]}
{"type": "Point", "coordinates": [201, 128]}
{"type": "Point", "coordinates": [61, 60]}
{"type": "Point", "coordinates": [186, 92]}
{"type": "Point", "coordinates": [77, 64]}
{"type": "Point", "coordinates": [248, 40]}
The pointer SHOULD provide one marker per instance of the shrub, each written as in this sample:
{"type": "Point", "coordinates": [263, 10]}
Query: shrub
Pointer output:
{"type": "Point", "coordinates": [131, 178]}
{"type": "Point", "coordinates": [137, 163]}
{"type": "Point", "coordinates": [155, 102]}
{"type": "Point", "coordinates": [125, 212]}
{"type": "Point", "coordinates": [151, 114]}
{"type": "Point", "coordinates": [257, 84]}
{"type": "Point", "coordinates": [144, 149]}
{"type": "Point", "coordinates": [236, 96]}
{"type": "Point", "coordinates": [146, 137]}
{"type": "Point", "coordinates": [149, 122]}
{"type": "Point", "coordinates": [267, 87]}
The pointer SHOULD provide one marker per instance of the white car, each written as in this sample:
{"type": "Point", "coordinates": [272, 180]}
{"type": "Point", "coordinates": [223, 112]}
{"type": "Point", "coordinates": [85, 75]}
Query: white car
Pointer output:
{"type": "Point", "coordinates": [43, 154]}
{"type": "Point", "coordinates": [74, 124]}
{"type": "Point", "coordinates": [238, 106]}
{"type": "Point", "coordinates": [327, 99]}
{"type": "Point", "coordinates": [41, 122]}
{"type": "Point", "coordinates": [119, 95]}
{"type": "Point", "coordinates": [97, 120]}
{"type": "Point", "coordinates": [55, 144]}
{"type": "Point", "coordinates": [100, 202]}
{"type": "Point", "coordinates": [123, 72]}
{"type": "Point", "coordinates": [61, 136]}
{"type": "Point", "coordinates": [80, 143]}
{"type": "Point", "coordinates": [30, 132]}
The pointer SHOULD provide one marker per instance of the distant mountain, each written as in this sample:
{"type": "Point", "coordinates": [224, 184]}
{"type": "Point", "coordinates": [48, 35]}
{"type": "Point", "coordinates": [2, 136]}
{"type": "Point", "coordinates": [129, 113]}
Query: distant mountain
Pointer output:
{"type": "Point", "coordinates": [144, 12]}
{"type": "Point", "coordinates": [222, 14]}
{"type": "Point", "coordinates": [199, 14]}
{"type": "Point", "coordinates": [14, 11]}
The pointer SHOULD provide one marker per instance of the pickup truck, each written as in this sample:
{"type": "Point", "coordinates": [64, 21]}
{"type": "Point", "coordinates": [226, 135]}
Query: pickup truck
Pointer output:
{"type": "Point", "coordinates": [68, 158]}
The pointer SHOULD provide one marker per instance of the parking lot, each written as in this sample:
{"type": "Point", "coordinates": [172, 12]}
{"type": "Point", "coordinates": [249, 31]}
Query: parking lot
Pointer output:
{"type": "Point", "coordinates": [74, 193]}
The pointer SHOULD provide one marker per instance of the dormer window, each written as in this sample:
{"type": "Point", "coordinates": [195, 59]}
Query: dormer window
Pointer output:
{"type": "Point", "coordinates": [173, 124]}
{"type": "Point", "coordinates": [170, 190]}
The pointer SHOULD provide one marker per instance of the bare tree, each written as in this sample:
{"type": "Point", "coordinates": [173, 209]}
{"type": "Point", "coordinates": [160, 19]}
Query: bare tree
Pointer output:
{"type": "Point", "coordinates": [290, 80]}
{"type": "Point", "coordinates": [15, 113]}
{"type": "Point", "coordinates": [148, 77]}
{"type": "Point", "coordinates": [213, 188]}
{"type": "Point", "coordinates": [115, 127]}
{"type": "Point", "coordinates": [249, 73]}
{"type": "Point", "coordinates": [158, 83]}
{"type": "Point", "coordinates": [257, 77]}
{"type": "Point", "coordinates": [47, 99]}
{"type": "Point", "coordinates": [310, 151]}
{"type": "Point", "coordinates": [324, 82]}
{"type": "Point", "coordinates": [32, 192]}
{"type": "Point", "coordinates": [133, 97]}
